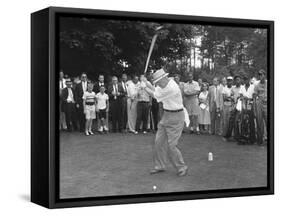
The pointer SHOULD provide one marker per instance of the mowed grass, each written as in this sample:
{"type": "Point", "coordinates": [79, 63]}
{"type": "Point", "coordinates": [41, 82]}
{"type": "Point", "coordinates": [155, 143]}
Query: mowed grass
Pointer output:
{"type": "Point", "coordinates": [119, 164]}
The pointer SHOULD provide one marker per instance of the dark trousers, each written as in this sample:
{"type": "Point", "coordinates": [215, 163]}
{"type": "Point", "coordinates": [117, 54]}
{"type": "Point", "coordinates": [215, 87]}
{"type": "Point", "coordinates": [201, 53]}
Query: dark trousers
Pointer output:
{"type": "Point", "coordinates": [70, 116]}
{"type": "Point", "coordinates": [115, 107]}
{"type": "Point", "coordinates": [142, 115]}
{"type": "Point", "coordinates": [234, 122]}
{"type": "Point", "coordinates": [124, 115]}
{"type": "Point", "coordinates": [247, 127]}
{"type": "Point", "coordinates": [81, 117]}
{"type": "Point", "coordinates": [216, 120]}
{"type": "Point", "coordinates": [155, 113]}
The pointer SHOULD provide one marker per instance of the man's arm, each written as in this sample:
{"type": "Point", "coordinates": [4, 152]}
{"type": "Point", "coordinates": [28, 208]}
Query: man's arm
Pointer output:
{"type": "Point", "coordinates": [149, 89]}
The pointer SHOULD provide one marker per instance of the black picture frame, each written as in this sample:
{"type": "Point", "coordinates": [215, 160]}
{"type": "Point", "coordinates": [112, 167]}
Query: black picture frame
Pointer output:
{"type": "Point", "coordinates": [44, 115]}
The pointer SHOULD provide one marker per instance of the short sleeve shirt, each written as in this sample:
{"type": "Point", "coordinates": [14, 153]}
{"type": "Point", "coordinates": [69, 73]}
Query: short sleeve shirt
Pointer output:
{"type": "Point", "coordinates": [248, 92]}
{"type": "Point", "coordinates": [236, 91]}
{"type": "Point", "coordinates": [101, 100]}
{"type": "Point", "coordinates": [89, 97]}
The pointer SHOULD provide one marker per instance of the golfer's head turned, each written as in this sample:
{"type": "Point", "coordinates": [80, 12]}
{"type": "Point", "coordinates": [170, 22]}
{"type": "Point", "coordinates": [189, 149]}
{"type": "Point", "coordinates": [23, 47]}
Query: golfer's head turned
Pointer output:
{"type": "Point", "coordinates": [160, 78]}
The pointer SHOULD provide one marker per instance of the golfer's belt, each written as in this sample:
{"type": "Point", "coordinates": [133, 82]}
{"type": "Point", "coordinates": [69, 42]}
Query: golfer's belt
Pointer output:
{"type": "Point", "coordinates": [90, 103]}
{"type": "Point", "coordinates": [173, 111]}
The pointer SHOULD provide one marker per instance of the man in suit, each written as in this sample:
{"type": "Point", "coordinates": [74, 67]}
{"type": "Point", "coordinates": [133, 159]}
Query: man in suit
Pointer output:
{"type": "Point", "coordinates": [80, 89]}
{"type": "Point", "coordinates": [62, 114]}
{"type": "Point", "coordinates": [98, 84]}
{"type": "Point", "coordinates": [68, 98]}
{"type": "Point", "coordinates": [124, 96]}
{"type": "Point", "coordinates": [215, 107]}
{"type": "Point", "coordinates": [115, 93]}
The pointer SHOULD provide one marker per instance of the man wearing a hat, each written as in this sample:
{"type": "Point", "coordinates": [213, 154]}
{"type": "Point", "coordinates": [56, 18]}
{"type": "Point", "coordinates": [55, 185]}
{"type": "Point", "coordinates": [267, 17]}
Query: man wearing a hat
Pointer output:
{"type": "Point", "coordinates": [171, 125]}
{"type": "Point", "coordinates": [236, 93]}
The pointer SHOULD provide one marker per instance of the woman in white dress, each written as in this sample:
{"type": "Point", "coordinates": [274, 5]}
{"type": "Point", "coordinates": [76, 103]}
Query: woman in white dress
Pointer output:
{"type": "Point", "coordinates": [204, 114]}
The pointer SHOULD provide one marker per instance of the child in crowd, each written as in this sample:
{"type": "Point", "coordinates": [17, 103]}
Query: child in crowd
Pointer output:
{"type": "Point", "coordinates": [89, 108]}
{"type": "Point", "coordinates": [102, 109]}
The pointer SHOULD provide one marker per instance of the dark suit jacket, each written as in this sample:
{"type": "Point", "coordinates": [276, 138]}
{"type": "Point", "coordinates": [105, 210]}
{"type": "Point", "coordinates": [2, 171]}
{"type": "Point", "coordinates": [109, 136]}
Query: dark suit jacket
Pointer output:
{"type": "Point", "coordinates": [64, 96]}
{"type": "Point", "coordinates": [79, 93]}
{"type": "Point", "coordinates": [120, 90]}
{"type": "Point", "coordinates": [123, 92]}
{"type": "Point", "coordinates": [97, 87]}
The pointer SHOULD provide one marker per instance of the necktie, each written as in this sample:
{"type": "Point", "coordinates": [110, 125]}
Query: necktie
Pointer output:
{"type": "Point", "coordinates": [115, 90]}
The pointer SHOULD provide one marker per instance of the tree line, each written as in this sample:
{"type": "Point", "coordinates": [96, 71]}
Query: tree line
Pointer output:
{"type": "Point", "coordinates": [113, 47]}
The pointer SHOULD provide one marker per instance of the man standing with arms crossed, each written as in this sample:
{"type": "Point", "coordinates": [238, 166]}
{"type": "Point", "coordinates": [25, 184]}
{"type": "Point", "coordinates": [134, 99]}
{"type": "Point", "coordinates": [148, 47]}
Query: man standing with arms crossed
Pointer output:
{"type": "Point", "coordinates": [171, 125]}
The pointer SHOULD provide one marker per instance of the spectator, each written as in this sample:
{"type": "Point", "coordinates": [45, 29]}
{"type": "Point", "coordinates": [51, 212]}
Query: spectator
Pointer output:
{"type": "Point", "coordinates": [191, 91]}
{"type": "Point", "coordinates": [223, 82]}
{"type": "Point", "coordinates": [227, 104]}
{"type": "Point", "coordinates": [89, 108]}
{"type": "Point", "coordinates": [98, 84]}
{"type": "Point", "coordinates": [215, 103]}
{"type": "Point", "coordinates": [234, 119]}
{"type": "Point", "coordinates": [142, 106]}
{"type": "Point", "coordinates": [260, 94]}
{"type": "Point", "coordinates": [62, 81]}
{"type": "Point", "coordinates": [62, 85]}
{"type": "Point", "coordinates": [247, 114]}
{"type": "Point", "coordinates": [132, 104]}
{"type": "Point", "coordinates": [204, 114]}
{"type": "Point", "coordinates": [102, 109]}
{"type": "Point", "coordinates": [124, 96]}
{"type": "Point", "coordinates": [115, 94]}
{"type": "Point", "coordinates": [80, 89]}
{"type": "Point", "coordinates": [68, 99]}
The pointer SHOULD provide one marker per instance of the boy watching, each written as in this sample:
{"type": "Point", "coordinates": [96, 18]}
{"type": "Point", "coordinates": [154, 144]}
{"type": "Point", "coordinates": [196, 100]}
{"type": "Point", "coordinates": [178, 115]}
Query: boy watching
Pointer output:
{"type": "Point", "coordinates": [102, 108]}
{"type": "Point", "coordinates": [89, 108]}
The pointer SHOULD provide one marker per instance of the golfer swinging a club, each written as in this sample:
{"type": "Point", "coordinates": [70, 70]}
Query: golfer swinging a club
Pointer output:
{"type": "Point", "coordinates": [171, 125]}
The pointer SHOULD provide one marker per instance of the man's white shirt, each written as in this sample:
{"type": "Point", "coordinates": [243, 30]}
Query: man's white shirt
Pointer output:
{"type": "Point", "coordinates": [170, 96]}
{"type": "Point", "coordinates": [132, 89]}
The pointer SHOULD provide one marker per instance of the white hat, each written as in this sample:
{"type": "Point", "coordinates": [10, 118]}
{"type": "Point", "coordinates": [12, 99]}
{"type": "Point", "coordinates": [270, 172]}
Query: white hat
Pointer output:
{"type": "Point", "coordinates": [229, 78]}
{"type": "Point", "coordinates": [158, 75]}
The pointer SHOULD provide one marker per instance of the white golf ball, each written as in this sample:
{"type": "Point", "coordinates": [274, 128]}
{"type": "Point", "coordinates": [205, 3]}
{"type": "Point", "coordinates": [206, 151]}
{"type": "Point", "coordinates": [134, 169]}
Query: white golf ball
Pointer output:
{"type": "Point", "coordinates": [154, 187]}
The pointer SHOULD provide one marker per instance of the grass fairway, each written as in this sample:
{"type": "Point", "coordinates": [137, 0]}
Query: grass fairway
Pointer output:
{"type": "Point", "coordinates": [119, 164]}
